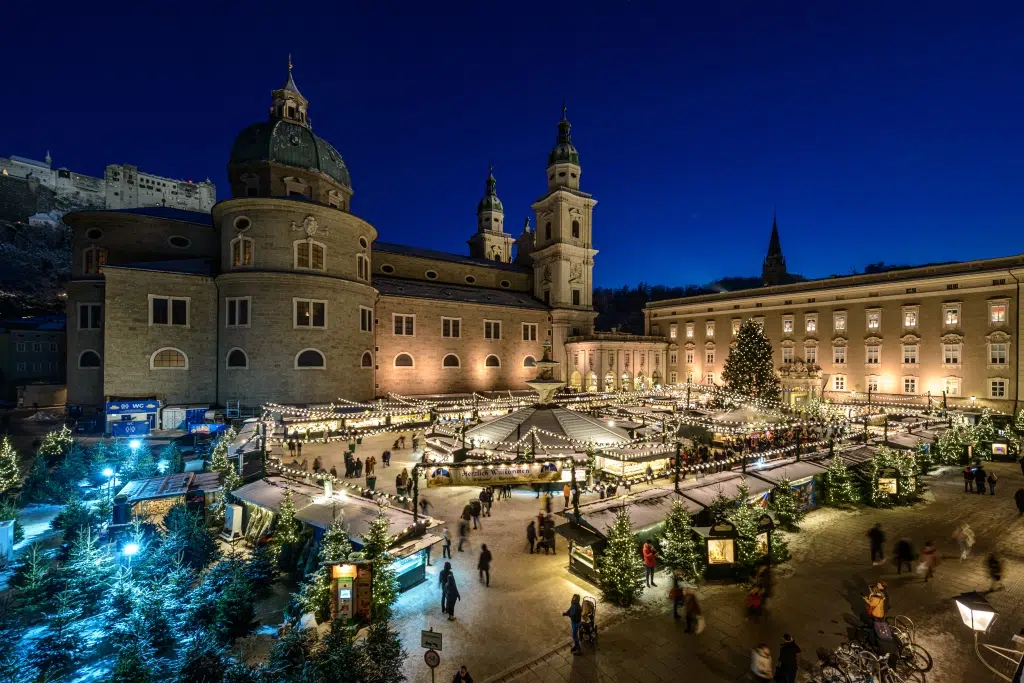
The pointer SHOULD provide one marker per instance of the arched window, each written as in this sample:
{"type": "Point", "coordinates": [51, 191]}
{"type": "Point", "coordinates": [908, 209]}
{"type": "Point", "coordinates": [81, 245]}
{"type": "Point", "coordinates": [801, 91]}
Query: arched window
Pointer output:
{"type": "Point", "coordinates": [309, 255]}
{"type": "Point", "coordinates": [362, 267]}
{"type": "Point", "coordinates": [93, 259]}
{"type": "Point", "coordinates": [241, 252]}
{"type": "Point", "coordinates": [450, 361]}
{"type": "Point", "coordinates": [576, 229]}
{"type": "Point", "coordinates": [403, 360]}
{"type": "Point", "coordinates": [529, 362]}
{"type": "Point", "coordinates": [310, 359]}
{"type": "Point", "coordinates": [89, 359]}
{"type": "Point", "coordinates": [367, 360]}
{"type": "Point", "coordinates": [492, 361]}
{"type": "Point", "coordinates": [168, 358]}
{"type": "Point", "coordinates": [547, 230]}
{"type": "Point", "coordinates": [238, 359]}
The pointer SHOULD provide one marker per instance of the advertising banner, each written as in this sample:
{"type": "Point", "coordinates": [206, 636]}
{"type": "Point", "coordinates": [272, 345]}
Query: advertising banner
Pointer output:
{"type": "Point", "coordinates": [485, 475]}
{"type": "Point", "coordinates": [129, 428]}
{"type": "Point", "coordinates": [206, 428]}
{"type": "Point", "coordinates": [143, 406]}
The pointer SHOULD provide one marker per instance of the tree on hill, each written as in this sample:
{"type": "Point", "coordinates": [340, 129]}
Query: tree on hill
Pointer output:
{"type": "Point", "coordinates": [748, 368]}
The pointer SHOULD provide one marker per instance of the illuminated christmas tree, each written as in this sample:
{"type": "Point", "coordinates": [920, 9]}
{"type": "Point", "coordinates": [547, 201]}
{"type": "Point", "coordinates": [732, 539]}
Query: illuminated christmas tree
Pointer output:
{"type": "Point", "coordinates": [748, 368]}
{"type": "Point", "coordinates": [678, 548]}
{"type": "Point", "coordinates": [287, 528]}
{"type": "Point", "coordinates": [376, 543]}
{"type": "Point", "coordinates": [620, 567]}
{"type": "Point", "coordinates": [840, 489]}
{"type": "Point", "coordinates": [786, 506]}
{"type": "Point", "coordinates": [10, 475]}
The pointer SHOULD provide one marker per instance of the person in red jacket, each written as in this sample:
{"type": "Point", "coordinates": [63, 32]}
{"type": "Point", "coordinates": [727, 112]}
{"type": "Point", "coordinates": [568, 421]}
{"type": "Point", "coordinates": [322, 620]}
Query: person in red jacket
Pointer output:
{"type": "Point", "coordinates": [650, 560]}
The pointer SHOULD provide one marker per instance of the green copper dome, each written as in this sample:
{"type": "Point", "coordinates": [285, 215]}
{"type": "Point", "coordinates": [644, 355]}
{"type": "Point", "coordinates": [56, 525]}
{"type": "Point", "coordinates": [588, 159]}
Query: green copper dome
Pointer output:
{"type": "Point", "coordinates": [291, 144]}
{"type": "Point", "coordinates": [564, 151]}
{"type": "Point", "coordinates": [490, 202]}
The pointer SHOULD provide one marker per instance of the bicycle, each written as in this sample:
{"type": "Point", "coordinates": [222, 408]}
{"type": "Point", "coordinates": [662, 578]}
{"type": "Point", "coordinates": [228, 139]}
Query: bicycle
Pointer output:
{"type": "Point", "coordinates": [909, 651]}
{"type": "Point", "coordinates": [880, 671]}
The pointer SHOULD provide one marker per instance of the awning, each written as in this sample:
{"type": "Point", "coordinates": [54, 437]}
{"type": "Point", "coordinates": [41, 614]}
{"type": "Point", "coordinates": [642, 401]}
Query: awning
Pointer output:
{"type": "Point", "coordinates": [790, 470]}
{"type": "Point", "coordinates": [705, 495]}
{"type": "Point", "coordinates": [578, 534]}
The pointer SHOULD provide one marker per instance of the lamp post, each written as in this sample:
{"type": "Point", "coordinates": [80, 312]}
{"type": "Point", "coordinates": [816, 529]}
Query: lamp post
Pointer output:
{"type": "Point", "coordinates": [978, 615]}
{"type": "Point", "coordinates": [129, 551]}
{"type": "Point", "coordinates": [679, 454]}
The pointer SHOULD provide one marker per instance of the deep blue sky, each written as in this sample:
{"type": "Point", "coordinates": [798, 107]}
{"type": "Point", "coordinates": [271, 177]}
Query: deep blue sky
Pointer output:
{"type": "Point", "coordinates": [881, 130]}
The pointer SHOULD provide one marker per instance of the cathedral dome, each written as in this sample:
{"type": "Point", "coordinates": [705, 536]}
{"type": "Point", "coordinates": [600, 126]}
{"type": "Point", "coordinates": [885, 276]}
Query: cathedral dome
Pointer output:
{"type": "Point", "coordinates": [291, 144]}
{"type": "Point", "coordinates": [490, 202]}
{"type": "Point", "coordinates": [564, 151]}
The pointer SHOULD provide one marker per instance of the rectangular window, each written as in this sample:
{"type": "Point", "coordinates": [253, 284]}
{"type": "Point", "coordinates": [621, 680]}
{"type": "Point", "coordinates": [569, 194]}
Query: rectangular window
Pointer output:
{"type": "Point", "coordinates": [673, 377]}
{"type": "Point", "coordinates": [529, 332]}
{"type": "Point", "coordinates": [997, 388]}
{"type": "Point", "coordinates": [839, 383]}
{"type": "Point", "coordinates": [37, 347]}
{"type": "Point", "coordinates": [709, 378]}
{"type": "Point", "coordinates": [873, 355]}
{"type": "Point", "coordinates": [37, 367]}
{"type": "Point", "coordinates": [451, 328]}
{"type": "Point", "coordinates": [405, 325]}
{"type": "Point", "coordinates": [168, 310]}
{"type": "Point", "coordinates": [309, 255]}
{"type": "Point", "coordinates": [787, 354]}
{"type": "Point", "coordinates": [874, 320]}
{"type": "Point", "coordinates": [709, 329]}
{"type": "Point", "coordinates": [787, 324]}
{"type": "Point", "coordinates": [673, 358]}
{"type": "Point", "coordinates": [237, 311]}
{"type": "Point", "coordinates": [22, 366]}
{"type": "Point", "coordinates": [811, 354]}
{"type": "Point", "coordinates": [909, 319]}
{"type": "Point", "coordinates": [910, 354]}
{"type": "Point", "coordinates": [365, 319]}
{"type": "Point", "coordinates": [839, 355]}
{"type": "Point", "coordinates": [839, 322]}
{"type": "Point", "coordinates": [51, 366]}
{"type": "Point", "coordinates": [709, 357]}
{"type": "Point", "coordinates": [951, 354]}
{"type": "Point", "coordinates": [997, 313]}
{"type": "Point", "coordinates": [951, 386]}
{"type": "Point", "coordinates": [689, 330]}
{"type": "Point", "coordinates": [909, 385]}
{"type": "Point", "coordinates": [90, 316]}
{"type": "Point", "coordinates": [872, 383]}
{"type": "Point", "coordinates": [575, 297]}
{"type": "Point", "coordinates": [310, 313]}
{"type": "Point", "coordinates": [52, 347]}
{"type": "Point", "coordinates": [689, 357]}
{"type": "Point", "coordinates": [492, 329]}
{"type": "Point", "coordinates": [951, 315]}
{"type": "Point", "coordinates": [811, 323]}
{"type": "Point", "coordinates": [673, 331]}
{"type": "Point", "coordinates": [997, 354]}
{"type": "Point", "coordinates": [362, 267]}
{"type": "Point", "coordinates": [19, 347]}
{"type": "Point", "coordinates": [735, 326]}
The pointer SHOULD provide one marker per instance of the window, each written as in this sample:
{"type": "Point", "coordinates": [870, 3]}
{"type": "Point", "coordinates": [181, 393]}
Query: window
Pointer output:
{"type": "Point", "coordinates": [709, 378]}
{"type": "Point", "coordinates": [365, 319]}
{"type": "Point", "coordinates": [839, 355]}
{"type": "Point", "coordinates": [872, 355]}
{"type": "Point", "coordinates": [951, 354]}
{"type": "Point", "coordinates": [874, 320]}
{"type": "Point", "coordinates": [168, 359]}
{"type": "Point", "coordinates": [787, 324]}
{"type": "Point", "coordinates": [997, 388]}
{"type": "Point", "coordinates": [997, 354]}
{"type": "Point", "coordinates": [505, 283]}
{"type": "Point", "coordinates": [673, 377]}
{"type": "Point", "coordinates": [22, 366]}
{"type": "Point", "coordinates": [310, 359]}
{"type": "Point", "coordinates": [93, 260]}
{"type": "Point", "coordinates": [997, 313]}
{"type": "Point", "coordinates": [237, 359]}
{"type": "Point", "coordinates": [492, 329]}
{"type": "Point", "coordinates": [909, 318]}
{"type": "Point", "coordinates": [310, 313]}
{"type": "Point", "coordinates": [367, 360]}
{"type": "Point", "coordinates": [168, 310]}
{"type": "Point", "coordinates": [547, 230]}
{"type": "Point", "coordinates": [19, 347]}
{"type": "Point", "coordinates": [953, 286]}
{"type": "Point", "coordinates": [709, 357]}
{"type": "Point", "coordinates": [811, 323]}
{"type": "Point", "coordinates": [839, 383]}
{"type": "Point", "coordinates": [492, 361]}
{"type": "Point", "coordinates": [689, 330]}
{"type": "Point", "coordinates": [242, 223]}
{"type": "Point", "coordinates": [309, 255]}
{"type": "Point", "coordinates": [96, 233]}
{"type": "Point", "coordinates": [673, 358]}
{"type": "Point", "coordinates": [951, 385]}
{"type": "Point", "coordinates": [575, 297]}
{"type": "Point", "coordinates": [450, 361]}
{"type": "Point", "coordinates": [470, 280]}
{"type": "Point", "coordinates": [787, 354]}
{"type": "Point", "coordinates": [951, 315]}
{"type": "Point", "coordinates": [241, 251]}
{"type": "Point", "coordinates": [37, 347]}
{"type": "Point", "coordinates": [451, 327]}
{"type": "Point", "coordinates": [89, 359]}
{"type": "Point", "coordinates": [709, 329]}
{"type": "Point", "coordinates": [237, 310]}
{"type": "Point", "coordinates": [655, 330]}
{"type": "Point", "coordinates": [839, 322]}
{"type": "Point", "coordinates": [689, 357]}
{"type": "Point", "coordinates": [404, 324]}
{"type": "Point", "coordinates": [576, 229]}
{"type": "Point", "coordinates": [547, 297]}
{"type": "Point", "coordinates": [811, 354]}
{"type": "Point", "coordinates": [872, 383]}
{"type": "Point", "coordinates": [673, 331]}
{"type": "Point", "coordinates": [431, 274]}
{"type": "Point", "coordinates": [735, 326]}
{"type": "Point", "coordinates": [90, 316]}
{"type": "Point", "coordinates": [530, 332]}
{"type": "Point", "coordinates": [52, 346]}
{"type": "Point", "coordinates": [362, 267]}
{"type": "Point", "coordinates": [387, 268]}
{"type": "Point", "coordinates": [179, 242]}
{"type": "Point", "coordinates": [909, 385]}
{"type": "Point", "coordinates": [910, 354]}
{"type": "Point", "coordinates": [529, 362]}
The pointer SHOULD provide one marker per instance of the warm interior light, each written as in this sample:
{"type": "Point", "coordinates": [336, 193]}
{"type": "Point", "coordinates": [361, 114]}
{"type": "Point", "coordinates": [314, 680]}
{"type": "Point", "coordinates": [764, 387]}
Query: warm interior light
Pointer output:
{"type": "Point", "coordinates": [975, 611]}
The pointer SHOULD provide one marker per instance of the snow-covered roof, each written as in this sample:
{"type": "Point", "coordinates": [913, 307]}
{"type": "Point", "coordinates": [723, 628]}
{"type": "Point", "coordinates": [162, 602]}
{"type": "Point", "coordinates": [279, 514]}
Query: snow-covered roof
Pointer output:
{"type": "Point", "coordinates": [787, 469]}
{"type": "Point", "coordinates": [556, 427]}
{"type": "Point", "coordinates": [706, 494]}
{"type": "Point", "coordinates": [646, 509]}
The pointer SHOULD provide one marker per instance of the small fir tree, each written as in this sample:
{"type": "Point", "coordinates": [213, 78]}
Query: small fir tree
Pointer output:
{"type": "Point", "coordinates": [188, 537]}
{"type": "Point", "coordinates": [12, 660]}
{"type": "Point", "coordinates": [721, 507]}
{"type": "Point", "coordinates": [260, 569]}
{"type": "Point", "coordinates": [984, 431]}
{"type": "Point", "coordinates": [8, 510]}
{"type": "Point", "coordinates": [56, 444]}
{"type": "Point", "coordinates": [201, 660]}
{"type": "Point", "coordinates": [901, 465]}
{"type": "Point", "coordinates": [678, 548]}
{"type": "Point", "coordinates": [63, 646]}
{"type": "Point", "coordinates": [951, 444]}
{"type": "Point", "coordinates": [376, 543]}
{"type": "Point", "coordinates": [133, 665]}
{"type": "Point", "coordinates": [314, 596]}
{"type": "Point", "coordinates": [620, 568]}
{"type": "Point", "coordinates": [236, 610]}
{"type": "Point", "coordinates": [1018, 425]}
{"type": "Point", "coordinates": [745, 517]}
{"type": "Point", "coordinates": [338, 659]}
{"type": "Point", "coordinates": [10, 474]}
{"type": "Point", "coordinates": [286, 531]}
{"type": "Point", "coordinates": [32, 583]}
{"type": "Point", "coordinates": [75, 516]}
{"type": "Point", "coordinates": [219, 455]}
{"type": "Point", "coordinates": [748, 368]}
{"type": "Point", "coordinates": [840, 489]}
{"type": "Point", "coordinates": [336, 546]}
{"type": "Point", "coordinates": [142, 464]}
{"type": "Point", "coordinates": [88, 570]}
{"type": "Point", "coordinates": [232, 482]}
{"type": "Point", "coordinates": [171, 455]}
{"type": "Point", "coordinates": [121, 595]}
{"type": "Point", "coordinates": [786, 506]}
{"type": "Point", "coordinates": [383, 655]}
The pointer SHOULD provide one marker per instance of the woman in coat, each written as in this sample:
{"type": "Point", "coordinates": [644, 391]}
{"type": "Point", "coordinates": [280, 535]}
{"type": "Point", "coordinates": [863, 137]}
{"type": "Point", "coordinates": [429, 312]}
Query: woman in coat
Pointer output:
{"type": "Point", "coordinates": [451, 596]}
{"type": "Point", "coordinates": [484, 564]}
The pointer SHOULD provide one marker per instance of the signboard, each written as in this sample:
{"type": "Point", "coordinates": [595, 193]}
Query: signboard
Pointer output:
{"type": "Point", "coordinates": [888, 485]}
{"type": "Point", "coordinates": [363, 590]}
{"type": "Point", "coordinates": [483, 475]}
{"type": "Point", "coordinates": [430, 639]}
{"type": "Point", "coordinates": [129, 428]}
{"type": "Point", "coordinates": [205, 428]}
{"type": "Point", "coordinates": [125, 407]}
{"type": "Point", "coordinates": [432, 659]}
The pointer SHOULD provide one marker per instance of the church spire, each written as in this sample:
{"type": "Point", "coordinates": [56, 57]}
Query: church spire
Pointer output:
{"type": "Point", "coordinates": [288, 103]}
{"type": "Point", "coordinates": [773, 272]}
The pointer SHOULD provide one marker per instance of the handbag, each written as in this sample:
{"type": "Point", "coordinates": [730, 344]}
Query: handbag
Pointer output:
{"type": "Point", "coordinates": [700, 624]}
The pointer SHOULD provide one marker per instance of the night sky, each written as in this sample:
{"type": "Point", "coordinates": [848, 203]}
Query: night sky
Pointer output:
{"type": "Point", "coordinates": [881, 131]}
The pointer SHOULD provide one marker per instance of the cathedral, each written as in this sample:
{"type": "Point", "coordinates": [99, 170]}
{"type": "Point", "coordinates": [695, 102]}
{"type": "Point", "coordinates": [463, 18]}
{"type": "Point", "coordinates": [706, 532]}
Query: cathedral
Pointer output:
{"type": "Point", "coordinates": [283, 294]}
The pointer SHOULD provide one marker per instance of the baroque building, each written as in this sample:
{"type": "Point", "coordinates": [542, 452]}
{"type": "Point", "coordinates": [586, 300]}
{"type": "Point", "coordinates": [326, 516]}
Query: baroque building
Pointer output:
{"type": "Point", "coordinates": [283, 294]}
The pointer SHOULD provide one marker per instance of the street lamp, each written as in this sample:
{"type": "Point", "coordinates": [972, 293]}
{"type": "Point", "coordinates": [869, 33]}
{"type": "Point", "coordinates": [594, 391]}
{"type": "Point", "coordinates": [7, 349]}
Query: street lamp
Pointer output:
{"type": "Point", "coordinates": [130, 550]}
{"type": "Point", "coordinates": [134, 444]}
{"type": "Point", "coordinates": [978, 615]}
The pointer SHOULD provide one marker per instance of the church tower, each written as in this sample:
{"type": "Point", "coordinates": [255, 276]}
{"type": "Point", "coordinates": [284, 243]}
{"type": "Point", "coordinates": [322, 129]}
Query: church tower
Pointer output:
{"type": "Point", "coordinates": [524, 245]}
{"type": "Point", "coordinates": [773, 272]}
{"type": "Point", "coordinates": [563, 257]}
{"type": "Point", "coordinates": [491, 242]}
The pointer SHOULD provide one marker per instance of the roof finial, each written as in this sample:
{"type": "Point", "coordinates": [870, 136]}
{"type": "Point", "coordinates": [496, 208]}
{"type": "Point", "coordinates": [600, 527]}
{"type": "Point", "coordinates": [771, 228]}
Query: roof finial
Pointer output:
{"type": "Point", "coordinates": [289, 63]}
{"type": "Point", "coordinates": [563, 110]}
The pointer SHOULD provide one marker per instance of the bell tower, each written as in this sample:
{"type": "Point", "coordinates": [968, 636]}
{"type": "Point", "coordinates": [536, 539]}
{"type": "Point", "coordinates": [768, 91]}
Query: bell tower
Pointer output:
{"type": "Point", "coordinates": [773, 271]}
{"type": "Point", "coordinates": [563, 254]}
{"type": "Point", "coordinates": [491, 242]}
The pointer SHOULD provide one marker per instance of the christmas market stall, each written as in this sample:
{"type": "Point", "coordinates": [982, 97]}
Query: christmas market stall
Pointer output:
{"type": "Point", "coordinates": [150, 499]}
{"type": "Point", "coordinates": [720, 550]}
{"type": "Point", "coordinates": [636, 460]}
{"type": "Point", "coordinates": [705, 493]}
{"type": "Point", "coordinates": [804, 478]}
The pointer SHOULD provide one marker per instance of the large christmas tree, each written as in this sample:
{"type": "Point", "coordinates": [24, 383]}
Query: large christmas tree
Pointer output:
{"type": "Point", "coordinates": [840, 489]}
{"type": "Point", "coordinates": [10, 475]}
{"type": "Point", "coordinates": [678, 548]}
{"type": "Point", "coordinates": [748, 368]}
{"type": "Point", "coordinates": [376, 543]}
{"type": "Point", "coordinates": [786, 506]}
{"type": "Point", "coordinates": [620, 568]}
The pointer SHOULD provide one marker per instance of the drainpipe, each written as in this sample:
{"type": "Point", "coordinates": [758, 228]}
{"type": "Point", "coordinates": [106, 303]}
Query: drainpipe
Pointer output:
{"type": "Point", "coordinates": [1016, 348]}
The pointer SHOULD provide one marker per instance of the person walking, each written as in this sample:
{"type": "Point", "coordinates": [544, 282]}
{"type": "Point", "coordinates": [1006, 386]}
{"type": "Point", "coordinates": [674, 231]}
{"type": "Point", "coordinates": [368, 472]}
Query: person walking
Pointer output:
{"type": "Point", "coordinates": [992, 479]}
{"type": "Point", "coordinates": [929, 560]}
{"type": "Point", "coordinates": [451, 596]}
{"type": "Point", "coordinates": [1018, 498]}
{"type": "Point", "coordinates": [675, 594]}
{"type": "Point", "coordinates": [463, 533]}
{"type": "Point", "coordinates": [969, 479]}
{"type": "Point", "coordinates": [964, 537]}
{"type": "Point", "coordinates": [761, 663]}
{"type": "Point", "coordinates": [442, 581]}
{"type": "Point", "coordinates": [786, 673]}
{"type": "Point", "coordinates": [566, 491]}
{"type": "Point", "coordinates": [979, 479]}
{"type": "Point", "coordinates": [904, 553]}
{"type": "Point", "coordinates": [474, 511]}
{"type": "Point", "coordinates": [549, 535]}
{"type": "Point", "coordinates": [691, 610]}
{"type": "Point", "coordinates": [995, 572]}
{"type": "Point", "coordinates": [575, 614]}
{"type": "Point", "coordinates": [446, 546]}
{"type": "Point", "coordinates": [487, 498]}
{"type": "Point", "coordinates": [316, 464]}
{"type": "Point", "coordinates": [575, 496]}
{"type": "Point", "coordinates": [359, 468]}
{"type": "Point", "coordinates": [483, 565]}
{"type": "Point", "coordinates": [424, 506]}
{"type": "Point", "coordinates": [531, 535]}
{"type": "Point", "coordinates": [334, 472]}
{"type": "Point", "coordinates": [877, 538]}
{"type": "Point", "coordinates": [650, 561]}
{"type": "Point", "coordinates": [462, 675]}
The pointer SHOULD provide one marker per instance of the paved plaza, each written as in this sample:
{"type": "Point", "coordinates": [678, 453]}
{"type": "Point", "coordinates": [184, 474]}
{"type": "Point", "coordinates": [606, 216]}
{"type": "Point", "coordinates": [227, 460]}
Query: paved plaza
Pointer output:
{"type": "Point", "coordinates": [514, 631]}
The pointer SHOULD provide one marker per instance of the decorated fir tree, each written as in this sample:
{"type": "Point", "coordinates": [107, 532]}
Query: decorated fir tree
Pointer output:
{"type": "Point", "coordinates": [232, 481]}
{"type": "Point", "coordinates": [840, 489]}
{"type": "Point", "coordinates": [748, 368]}
{"type": "Point", "coordinates": [744, 517]}
{"type": "Point", "coordinates": [56, 444]}
{"type": "Point", "coordinates": [376, 543]}
{"type": "Point", "coordinates": [10, 474]}
{"type": "Point", "coordinates": [286, 531]}
{"type": "Point", "coordinates": [786, 506]}
{"type": "Point", "coordinates": [335, 546]}
{"type": "Point", "coordinates": [890, 464]}
{"type": "Point", "coordinates": [1018, 425]}
{"type": "Point", "coordinates": [620, 567]}
{"type": "Point", "coordinates": [984, 432]}
{"type": "Point", "coordinates": [951, 444]}
{"type": "Point", "coordinates": [219, 455]}
{"type": "Point", "coordinates": [678, 548]}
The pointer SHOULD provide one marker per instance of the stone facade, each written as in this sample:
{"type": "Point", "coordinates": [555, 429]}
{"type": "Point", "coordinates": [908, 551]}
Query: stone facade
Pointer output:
{"type": "Point", "coordinates": [618, 362]}
{"type": "Point", "coordinates": [32, 350]}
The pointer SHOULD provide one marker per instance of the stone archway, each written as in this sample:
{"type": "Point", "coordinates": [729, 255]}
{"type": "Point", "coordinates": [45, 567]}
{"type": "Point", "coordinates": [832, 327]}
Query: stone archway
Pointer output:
{"type": "Point", "coordinates": [576, 381]}
{"type": "Point", "coordinates": [656, 378]}
{"type": "Point", "coordinates": [640, 383]}
{"type": "Point", "coordinates": [609, 381]}
{"type": "Point", "coordinates": [592, 382]}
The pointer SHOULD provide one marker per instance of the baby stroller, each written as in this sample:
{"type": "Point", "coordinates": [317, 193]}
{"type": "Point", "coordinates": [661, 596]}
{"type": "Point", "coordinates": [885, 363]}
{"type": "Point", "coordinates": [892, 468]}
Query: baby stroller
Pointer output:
{"type": "Point", "coordinates": [588, 621]}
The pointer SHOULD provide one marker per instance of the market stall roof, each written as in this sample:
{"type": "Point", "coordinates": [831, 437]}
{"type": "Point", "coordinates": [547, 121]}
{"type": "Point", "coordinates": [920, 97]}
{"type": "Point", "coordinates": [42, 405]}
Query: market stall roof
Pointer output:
{"type": "Point", "coordinates": [169, 486]}
{"type": "Point", "coordinates": [646, 508]}
{"type": "Point", "coordinates": [904, 440]}
{"type": "Point", "coordinates": [556, 427]}
{"type": "Point", "coordinates": [746, 414]}
{"type": "Point", "coordinates": [707, 493]}
{"type": "Point", "coordinates": [653, 451]}
{"type": "Point", "coordinates": [789, 469]}
{"type": "Point", "coordinates": [578, 534]}
{"type": "Point", "coordinates": [855, 456]}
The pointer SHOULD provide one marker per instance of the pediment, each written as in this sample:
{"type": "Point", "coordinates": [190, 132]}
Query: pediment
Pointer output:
{"type": "Point", "coordinates": [998, 337]}
{"type": "Point", "coordinates": [873, 341]}
{"type": "Point", "coordinates": [689, 346]}
{"type": "Point", "coordinates": [839, 341]}
{"type": "Point", "coordinates": [910, 339]}
{"type": "Point", "coordinates": [787, 343]}
{"type": "Point", "coordinates": [709, 345]}
{"type": "Point", "coordinates": [811, 343]}
{"type": "Point", "coordinates": [952, 338]}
